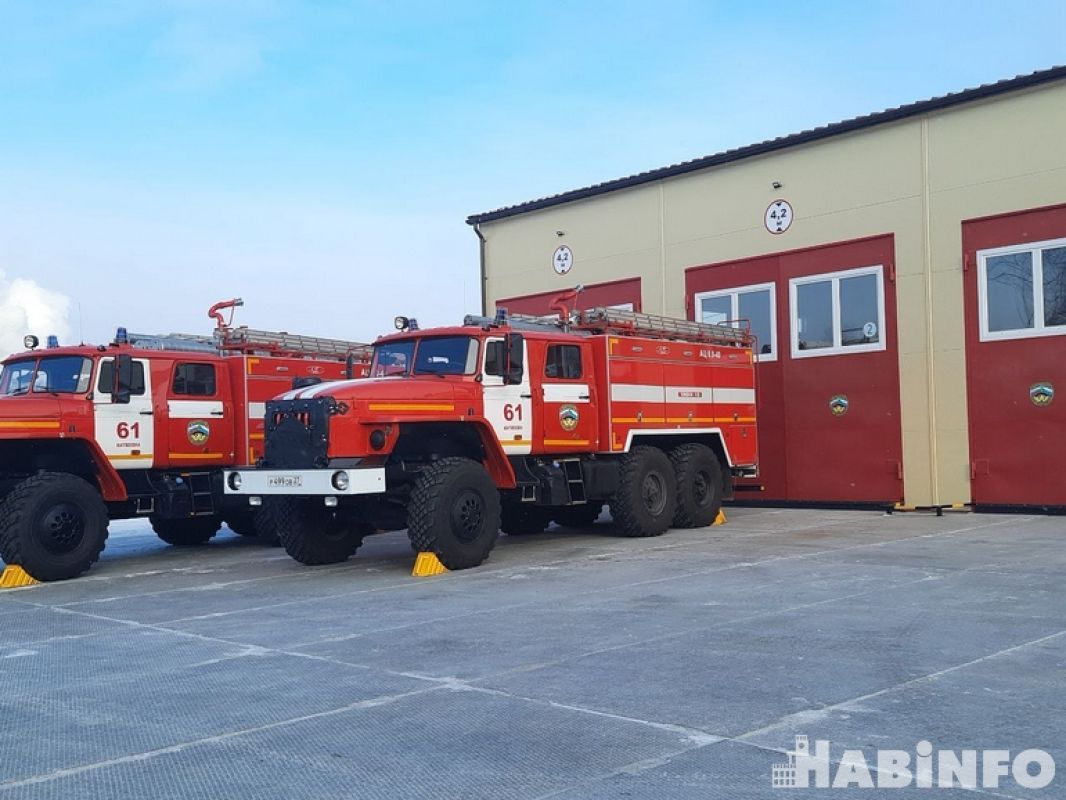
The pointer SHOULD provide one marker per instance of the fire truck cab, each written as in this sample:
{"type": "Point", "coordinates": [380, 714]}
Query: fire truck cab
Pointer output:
{"type": "Point", "coordinates": [512, 422]}
{"type": "Point", "coordinates": [141, 427]}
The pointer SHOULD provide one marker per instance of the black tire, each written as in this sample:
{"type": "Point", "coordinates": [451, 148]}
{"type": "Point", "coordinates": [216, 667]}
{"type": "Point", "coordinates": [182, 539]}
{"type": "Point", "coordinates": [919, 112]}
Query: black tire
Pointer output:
{"type": "Point", "coordinates": [53, 525]}
{"type": "Point", "coordinates": [646, 498]}
{"type": "Point", "coordinates": [266, 527]}
{"type": "Point", "coordinates": [454, 511]}
{"type": "Point", "coordinates": [313, 533]}
{"type": "Point", "coordinates": [242, 523]}
{"type": "Point", "coordinates": [582, 516]}
{"type": "Point", "coordinates": [699, 485]}
{"type": "Point", "coordinates": [186, 532]}
{"type": "Point", "coordinates": [522, 520]}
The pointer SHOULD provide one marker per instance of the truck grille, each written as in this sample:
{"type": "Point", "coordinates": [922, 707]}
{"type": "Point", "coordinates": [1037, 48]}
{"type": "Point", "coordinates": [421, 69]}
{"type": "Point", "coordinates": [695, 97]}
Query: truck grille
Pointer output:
{"type": "Point", "coordinates": [297, 433]}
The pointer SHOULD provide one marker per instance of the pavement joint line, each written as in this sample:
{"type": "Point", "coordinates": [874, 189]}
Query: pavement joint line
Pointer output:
{"type": "Point", "coordinates": [161, 626]}
{"type": "Point", "coordinates": [591, 559]}
{"type": "Point", "coordinates": [690, 631]}
{"type": "Point", "coordinates": [215, 739]}
{"type": "Point", "coordinates": [260, 650]}
{"type": "Point", "coordinates": [809, 715]}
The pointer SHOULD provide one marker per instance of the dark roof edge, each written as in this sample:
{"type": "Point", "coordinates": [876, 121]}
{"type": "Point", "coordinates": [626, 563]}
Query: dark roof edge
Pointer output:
{"type": "Point", "coordinates": [781, 143]}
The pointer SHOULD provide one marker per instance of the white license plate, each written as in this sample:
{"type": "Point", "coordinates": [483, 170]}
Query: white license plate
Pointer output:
{"type": "Point", "coordinates": [285, 481]}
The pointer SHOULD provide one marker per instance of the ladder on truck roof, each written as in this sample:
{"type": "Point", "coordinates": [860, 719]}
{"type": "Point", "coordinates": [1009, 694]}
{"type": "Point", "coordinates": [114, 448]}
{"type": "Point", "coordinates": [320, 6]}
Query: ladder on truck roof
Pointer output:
{"type": "Point", "coordinates": [281, 343]}
{"type": "Point", "coordinates": [619, 321]}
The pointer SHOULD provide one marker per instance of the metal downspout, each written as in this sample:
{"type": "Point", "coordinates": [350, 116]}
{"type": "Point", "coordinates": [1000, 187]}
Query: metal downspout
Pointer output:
{"type": "Point", "coordinates": [481, 263]}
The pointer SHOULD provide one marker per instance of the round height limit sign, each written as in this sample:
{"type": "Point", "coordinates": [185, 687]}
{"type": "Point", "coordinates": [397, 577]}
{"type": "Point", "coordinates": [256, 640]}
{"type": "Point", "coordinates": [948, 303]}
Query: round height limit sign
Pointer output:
{"type": "Point", "coordinates": [562, 259]}
{"type": "Point", "coordinates": [778, 216]}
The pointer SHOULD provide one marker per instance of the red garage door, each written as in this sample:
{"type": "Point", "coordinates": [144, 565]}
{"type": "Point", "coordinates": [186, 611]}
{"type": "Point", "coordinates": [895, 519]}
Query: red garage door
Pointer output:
{"type": "Point", "coordinates": [625, 293]}
{"type": "Point", "coordinates": [1015, 284]}
{"type": "Point", "coordinates": [828, 391]}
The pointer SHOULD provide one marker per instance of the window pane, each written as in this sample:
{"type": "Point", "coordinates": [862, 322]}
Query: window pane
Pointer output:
{"type": "Point", "coordinates": [1010, 292]}
{"type": "Point", "coordinates": [563, 361]}
{"type": "Point", "coordinates": [858, 310]}
{"type": "Point", "coordinates": [755, 307]}
{"type": "Point", "coordinates": [197, 380]}
{"type": "Point", "coordinates": [494, 357]}
{"type": "Point", "coordinates": [814, 312]}
{"type": "Point", "coordinates": [107, 377]}
{"type": "Point", "coordinates": [716, 310]}
{"type": "Point", "coordinates": [1055, 286]}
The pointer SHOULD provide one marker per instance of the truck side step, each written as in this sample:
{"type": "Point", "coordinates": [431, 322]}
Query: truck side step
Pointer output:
{"type": "Point", "coordinates": [575, 480]}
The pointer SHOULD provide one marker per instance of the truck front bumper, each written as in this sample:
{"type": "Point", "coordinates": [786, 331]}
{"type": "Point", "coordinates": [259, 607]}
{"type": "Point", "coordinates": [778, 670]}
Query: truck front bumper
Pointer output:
{"type": "Point", "coordinates": [304, 482]}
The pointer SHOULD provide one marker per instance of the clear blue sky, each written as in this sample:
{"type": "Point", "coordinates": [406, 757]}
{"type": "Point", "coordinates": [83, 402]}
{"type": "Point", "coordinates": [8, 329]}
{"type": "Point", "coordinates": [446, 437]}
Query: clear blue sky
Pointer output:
{"type": "Point", "coordinates": [319, 158]}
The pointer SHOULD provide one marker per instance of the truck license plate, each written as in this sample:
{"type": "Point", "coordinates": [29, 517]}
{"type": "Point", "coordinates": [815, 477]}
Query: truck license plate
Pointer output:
{"type": "Point", "coordinates": [285, 481]}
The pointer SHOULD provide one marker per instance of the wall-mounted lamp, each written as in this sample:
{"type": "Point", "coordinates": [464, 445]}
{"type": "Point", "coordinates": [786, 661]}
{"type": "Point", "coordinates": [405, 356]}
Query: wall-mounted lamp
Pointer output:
{"type": "Point", "coordinates": [776, 184]}
{"type": "Point", "coordinates": [560, 233]}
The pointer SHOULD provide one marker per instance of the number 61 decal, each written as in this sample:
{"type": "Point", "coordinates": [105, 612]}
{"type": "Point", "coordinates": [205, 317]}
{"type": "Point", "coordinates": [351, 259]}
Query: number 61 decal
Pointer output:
{"type": "Point", "coordinates": [512, 412]}
{"type": "Point", "coordinates": [125, 430]}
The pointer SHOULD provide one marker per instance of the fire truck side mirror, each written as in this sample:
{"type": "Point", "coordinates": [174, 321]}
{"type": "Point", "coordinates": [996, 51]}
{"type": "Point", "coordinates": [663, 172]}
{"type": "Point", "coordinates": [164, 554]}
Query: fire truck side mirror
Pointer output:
{"type": "Point", "coordinates": [123, 380]}
{"type": "Point", "coordinates": [349, 366]}
{"type": "Point", "coordinates": [515, 352]}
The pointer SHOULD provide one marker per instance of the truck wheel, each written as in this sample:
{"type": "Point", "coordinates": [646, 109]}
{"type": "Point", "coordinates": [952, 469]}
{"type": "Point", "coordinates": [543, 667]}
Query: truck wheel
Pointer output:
{"type": "Point", "coordinates": [581, 516]}
{"type": "Point", "coordinates": [312, 533]}
{"type": "Point", "coordinates": [266, 527]}
{"type": "Point", "coordinates": [644, 502]}
{"type": "Point", "coordinates": [187, 531]}
{"type": "Point", "coordinates": [454, 511]}
{"type": "Point", "coordinates": [699, 485]}
{"type": "Point", "coordinates": [242, 523]}
{"type": "Point", "coordinates": [53, 525]}
{"type": "Point", "coordinates": [520, 520]}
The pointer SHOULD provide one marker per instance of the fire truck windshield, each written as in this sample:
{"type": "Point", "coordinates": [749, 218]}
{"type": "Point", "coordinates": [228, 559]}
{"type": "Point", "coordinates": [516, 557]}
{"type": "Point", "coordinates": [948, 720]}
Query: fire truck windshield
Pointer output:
{"type": "Point", "coordinates": [59, 374]}
{"type": "Point", "coordinates": [436, 355]}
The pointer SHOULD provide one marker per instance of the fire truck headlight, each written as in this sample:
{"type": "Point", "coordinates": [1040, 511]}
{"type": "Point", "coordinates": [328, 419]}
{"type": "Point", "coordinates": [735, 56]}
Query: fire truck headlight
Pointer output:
{"type": "Point", "coordinates": [30, 341]}
{"type": "Point", "coordinates": [401, 323]}
{"type": "Point", "coordinates": [235, 481]}
{"type": "Point", "coordinates": [341, 481]}
{"type": "Point", "coordinates": [377, 439]}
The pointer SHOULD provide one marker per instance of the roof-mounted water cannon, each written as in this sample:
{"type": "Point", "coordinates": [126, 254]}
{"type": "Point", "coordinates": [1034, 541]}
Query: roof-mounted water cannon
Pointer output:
{"type": "Point", "coordinates": [30, 342]}
{"type": "Point", "coordinates": [564, 304]}
{"type": "Point", "coordinates": [53, 341]}
{"type": "Point", "coordinates": [215, 312]}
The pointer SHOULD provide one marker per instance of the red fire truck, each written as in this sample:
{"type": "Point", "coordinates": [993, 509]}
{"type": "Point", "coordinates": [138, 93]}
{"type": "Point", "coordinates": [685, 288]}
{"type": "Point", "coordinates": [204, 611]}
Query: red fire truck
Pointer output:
{"type": "Point", "coordinates": [512, 423]}
{"type": "Point", "coordinates": [142, 427]}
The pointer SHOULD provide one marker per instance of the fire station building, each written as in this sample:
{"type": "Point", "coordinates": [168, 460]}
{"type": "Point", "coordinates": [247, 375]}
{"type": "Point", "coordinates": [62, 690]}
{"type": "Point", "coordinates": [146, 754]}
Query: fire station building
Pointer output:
{"type": "Point", "coordinates": [904, 272]}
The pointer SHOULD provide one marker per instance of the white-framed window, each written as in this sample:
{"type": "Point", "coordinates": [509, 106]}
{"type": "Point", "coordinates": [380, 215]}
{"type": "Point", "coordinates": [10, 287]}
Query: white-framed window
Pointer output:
{"type": "Point", "coordinates": [756, 304]}
{"type": "Point", "coordinates": [838, 312]}
{"type": "Point", "coordinates": [1021, 290]}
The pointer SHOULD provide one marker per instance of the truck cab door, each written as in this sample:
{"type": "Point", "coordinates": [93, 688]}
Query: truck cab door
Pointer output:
{"type": "Point", "coordinates": [199, 417]}
{"type": "Point", "coordinates": [125, 431]}
{"type": "Point", "coordinates": [508, 405]}
{"type": "Point", "coordinates": [568, 420]}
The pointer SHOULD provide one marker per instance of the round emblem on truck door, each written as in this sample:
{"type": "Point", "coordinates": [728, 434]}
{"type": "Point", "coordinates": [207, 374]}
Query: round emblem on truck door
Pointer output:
{"type": "Point", "coordinates": [568, 417]}
{"type": "Point", "coordinates": [838, 405]}
{"type": "Point", "coordinates": [198, 432]}
{"type": "Point", "coordinates": [1042, 393]}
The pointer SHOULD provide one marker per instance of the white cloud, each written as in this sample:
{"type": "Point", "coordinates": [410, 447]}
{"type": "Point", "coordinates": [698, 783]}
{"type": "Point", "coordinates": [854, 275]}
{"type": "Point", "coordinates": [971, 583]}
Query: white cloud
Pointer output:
{"type": "Point", "coordinates": [27, 307]}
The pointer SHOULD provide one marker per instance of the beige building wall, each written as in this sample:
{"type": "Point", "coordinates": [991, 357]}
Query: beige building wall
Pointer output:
{"type": "Point", "coordinates": [918, 179]}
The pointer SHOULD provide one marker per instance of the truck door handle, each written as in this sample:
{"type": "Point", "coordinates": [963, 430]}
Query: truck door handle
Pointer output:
{"type": "Point", "coordinates": [147, 413]}
{"type": "Point", "coordinates": [218, 413]}
{"type": "Point", "coordinates": [526, 396]}
{"type": "Point", "coordinates": [584, 397]}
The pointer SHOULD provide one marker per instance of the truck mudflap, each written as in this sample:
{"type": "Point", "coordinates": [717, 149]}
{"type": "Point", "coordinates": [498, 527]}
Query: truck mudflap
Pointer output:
{"type": "Point", "coordinates": [304, 482]}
